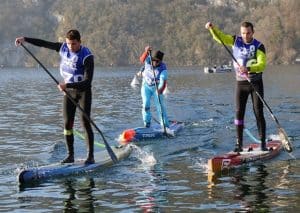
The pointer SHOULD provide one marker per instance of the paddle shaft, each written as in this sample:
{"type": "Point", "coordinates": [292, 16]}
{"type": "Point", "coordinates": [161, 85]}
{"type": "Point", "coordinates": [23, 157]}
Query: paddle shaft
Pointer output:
{"type": "Point", "coordinates": [80, 135]}
{"type": "Point", "coordinates": [251, 136]}
{"type": "Point", "coordinates": [83, 138]}
{"type": "Point", "coordinates": [109, 150]}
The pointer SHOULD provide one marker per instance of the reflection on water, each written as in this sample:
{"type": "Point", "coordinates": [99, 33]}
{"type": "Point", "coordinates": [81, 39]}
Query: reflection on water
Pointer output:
{"type": "Point", "coordinates": [84, 195]}
{"type": "Point", "coordinates": [252, 187]}
{"type": "Point", "coordinates": [160, 176]}
{"type": "Point", "coordinates": [258, 188]}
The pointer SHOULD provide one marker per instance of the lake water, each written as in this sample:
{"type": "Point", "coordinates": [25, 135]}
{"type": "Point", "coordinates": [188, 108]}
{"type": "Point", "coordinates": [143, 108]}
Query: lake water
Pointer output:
{"type": "Point", "coordinates": [168, 175]}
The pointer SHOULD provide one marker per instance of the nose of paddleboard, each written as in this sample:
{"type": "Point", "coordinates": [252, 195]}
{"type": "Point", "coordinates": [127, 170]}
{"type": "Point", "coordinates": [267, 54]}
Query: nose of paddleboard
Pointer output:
{"type": "Point", "coordinates": [127, 136]}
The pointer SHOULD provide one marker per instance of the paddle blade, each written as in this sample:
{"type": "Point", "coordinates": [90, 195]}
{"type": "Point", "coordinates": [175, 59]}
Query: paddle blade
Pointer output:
{"type": "Point", "coordinates": [134, 82]}
{"type": "Point", "coordinates": [285, 140]}
{"type": "Point", "coordinates": [112, 154]}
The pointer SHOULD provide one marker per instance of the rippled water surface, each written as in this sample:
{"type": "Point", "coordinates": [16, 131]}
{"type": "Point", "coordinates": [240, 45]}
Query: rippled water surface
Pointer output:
{"type": "Point", "coordinates": [166, 175]}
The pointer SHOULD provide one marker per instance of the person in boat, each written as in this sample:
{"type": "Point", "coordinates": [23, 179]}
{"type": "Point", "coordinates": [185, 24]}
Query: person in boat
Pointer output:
{"type": "Point", "coordinates": [154, 73]}
{"type": "Point", "coordinates": [251, 55]}
{"type": "Point", "coordinates": [76, 68]}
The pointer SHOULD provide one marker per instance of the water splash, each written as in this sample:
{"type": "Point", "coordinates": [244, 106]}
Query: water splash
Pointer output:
{"type": "Point", "coordinates": [205, 122]}
{"type": "Point", "coordinates": [202, 165]}
{"type": "Point", "coordinates": [274, 137]}
{"type": "Point", "coordinates": [147, 159]}
{"type": "Point", "coordinates": [277, 137]}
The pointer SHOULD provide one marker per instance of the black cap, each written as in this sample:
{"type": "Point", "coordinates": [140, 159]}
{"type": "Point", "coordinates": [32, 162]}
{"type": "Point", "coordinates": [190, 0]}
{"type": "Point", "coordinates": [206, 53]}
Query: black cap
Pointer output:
{"type": "Point", "coordinates": [158, 56]}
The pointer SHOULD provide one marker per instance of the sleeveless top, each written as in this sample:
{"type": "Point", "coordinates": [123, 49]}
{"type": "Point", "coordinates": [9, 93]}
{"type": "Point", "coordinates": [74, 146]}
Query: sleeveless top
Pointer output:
{"type": "Point", "coordinates": [245, 54]}
{"type": "Point", "coordinates": [148, 75]}
{"type": "Point", "coordinates": [71, 65]}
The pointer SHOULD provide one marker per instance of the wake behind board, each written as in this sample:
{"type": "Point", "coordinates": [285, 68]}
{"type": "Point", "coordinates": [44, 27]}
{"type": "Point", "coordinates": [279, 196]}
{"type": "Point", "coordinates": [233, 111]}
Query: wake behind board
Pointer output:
{"type": "Point", "coordinates": [102, 160]}
{"type": "Point", "coordinates": [250, 153]}
{"type": "Point", "coordinates": [153, 132]}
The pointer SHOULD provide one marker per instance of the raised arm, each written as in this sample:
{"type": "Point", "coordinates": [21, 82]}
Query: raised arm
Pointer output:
{"type": "Point", "coordinates": [217, 34]}
{"type": "Point", "coordinates": [38, 42]}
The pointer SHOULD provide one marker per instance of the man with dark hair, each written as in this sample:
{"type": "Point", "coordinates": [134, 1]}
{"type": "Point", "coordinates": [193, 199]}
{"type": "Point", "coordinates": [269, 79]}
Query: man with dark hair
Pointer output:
{"type": "Point", "coordinates": [73, 35]}
{"type": "Point", "coordinates": [76, 68]}
{"type": "Point", "coordinates": [251, 56]}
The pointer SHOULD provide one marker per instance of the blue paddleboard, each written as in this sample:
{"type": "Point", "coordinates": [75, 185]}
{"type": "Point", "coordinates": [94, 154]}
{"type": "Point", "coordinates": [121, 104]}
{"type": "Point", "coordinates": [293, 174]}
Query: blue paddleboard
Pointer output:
{"type": "Point", "coordinates": [153, 132]}
{"type": "Point", "coordinates": [102, 160]}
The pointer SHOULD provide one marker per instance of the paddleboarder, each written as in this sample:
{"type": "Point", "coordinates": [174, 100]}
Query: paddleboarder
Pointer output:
{"type": "Point", "coordinates": [155, 77]}
{"type": "Point", "coordinates": [76, 68]}
{"type": "Point", "coordinates": [251, 57]}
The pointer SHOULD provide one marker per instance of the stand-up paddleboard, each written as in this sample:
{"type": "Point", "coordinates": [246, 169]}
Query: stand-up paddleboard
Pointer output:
{"type": "Point", "coordinates": [153, 132]}
{"type": "Point", "coordinates": [102, 160]}
{"type": "Point", "coordinates": [250, 153]}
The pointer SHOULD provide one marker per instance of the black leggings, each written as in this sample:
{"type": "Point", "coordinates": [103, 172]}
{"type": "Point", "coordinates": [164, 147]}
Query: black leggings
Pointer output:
{"type": "Point", "coordinates": [243, 89]}
{"type": "Point", "coordinates": [84, 99]}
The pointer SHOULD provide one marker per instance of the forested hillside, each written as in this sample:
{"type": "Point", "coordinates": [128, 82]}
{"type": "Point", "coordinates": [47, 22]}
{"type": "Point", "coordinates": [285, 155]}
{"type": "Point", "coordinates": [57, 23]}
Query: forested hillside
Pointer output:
{"type": "Point", "coordinates": [118, 30]}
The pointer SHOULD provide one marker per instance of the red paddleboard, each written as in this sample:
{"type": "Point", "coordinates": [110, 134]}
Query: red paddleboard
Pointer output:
{"type": "Point", "coordinates": [250, 153]}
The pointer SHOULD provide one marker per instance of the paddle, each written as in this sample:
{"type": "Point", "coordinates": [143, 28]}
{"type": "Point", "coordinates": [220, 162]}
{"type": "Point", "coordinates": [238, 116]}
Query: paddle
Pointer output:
{"type": "Point", "coordinates": [83, 138]}
{"type": "Point", "coordinates": [108, 148]}
{"type": "Point", "coordinates": [80, 135]}
{"type": "Point", "coordinates": [282, 134]}
{"type": "Point", "coordinates": [251, 136]}
{"type": "Point", "coordinates": [159, 102]}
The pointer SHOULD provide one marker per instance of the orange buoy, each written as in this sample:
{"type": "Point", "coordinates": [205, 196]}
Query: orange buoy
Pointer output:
{"type": "Point", "coordinates": [127, 136]}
